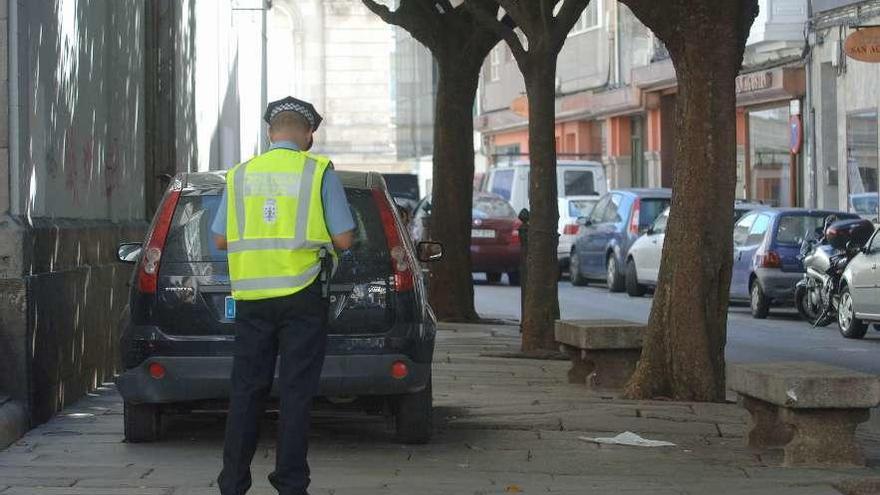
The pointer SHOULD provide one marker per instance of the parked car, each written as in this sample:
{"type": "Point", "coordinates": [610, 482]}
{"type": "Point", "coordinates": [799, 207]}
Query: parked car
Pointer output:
{"type": "Point", "coordinates": [570, 209]}
{"type": "Point", "coordinates": [495, 242]}
{"type": "Point", "coordinates": [573, 178]}
{"type": "Point", "coordinates": [766, 264]}
{"type": "Point", "coordinates": [860, 292]}
{"type": "Point", "coordinates": [605, 237]}
{"type": "Point", "coordinates": [178, 332]}
{"type": "Point", "coordinates": [643, 261]}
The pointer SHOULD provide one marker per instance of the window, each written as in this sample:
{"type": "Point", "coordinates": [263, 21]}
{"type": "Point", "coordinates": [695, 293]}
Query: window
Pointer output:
{"type": "Point", "coordinates": [491, 207]}
{"type": "Point", "coordinates": [742, 228]}
{"type": "Point", "coordinates": [793, 229]}
{"type": "Point", "coordinates": [599, 210]}
{"type": "Point", "coordinates": [649, 209]}
{"type": "Point", "coordinates": [758, 230]}
{"type": "Point", "coordinates": [612, 213]}
{"type": "Point", "coordinates": [502, 183]}
{"type": "Point", "coordinates": [659, 226]}
{"type": "Point", "coordinates": [862, 161]}
{"type": "Point", "coordinates": [495, 62]}
{"type": "Point", "coordinates": [579, 183]}
{"type": "Point", "coordinates": [590, 19]}
{"type": "Point", "coordinates": [770, 157]}
{"type": "Point", "coordinates": [581, 207]}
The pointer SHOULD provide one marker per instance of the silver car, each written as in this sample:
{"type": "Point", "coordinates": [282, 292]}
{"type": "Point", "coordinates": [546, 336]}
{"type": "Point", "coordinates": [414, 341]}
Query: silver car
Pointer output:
{"type": "Point", "coordinates": [860, 292]}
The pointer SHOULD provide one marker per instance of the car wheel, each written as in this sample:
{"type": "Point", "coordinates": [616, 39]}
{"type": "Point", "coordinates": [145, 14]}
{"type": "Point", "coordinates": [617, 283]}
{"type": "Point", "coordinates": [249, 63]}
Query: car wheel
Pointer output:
{"type": "Point", "coordinates": [850, 326]}
{"type": "Point", "coordinates": [142, 422]}
{"type": "Point", "coordinates": [758, 301]}
{"type": "Point", "coordinates": [574, 271]}
{"type": "Point", "coordinates": [615, 279]}
{"type": "Point", "coordinates": [493, 278]}
{"type": "Point", "coordinates": [513, 278]}
{"type": "Point", "coordinates": [633, 288]}
{"type": "Point", "coordinates": [413, 414]}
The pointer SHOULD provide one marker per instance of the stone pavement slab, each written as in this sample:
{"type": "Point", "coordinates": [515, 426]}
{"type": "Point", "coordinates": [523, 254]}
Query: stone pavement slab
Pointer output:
{"type": "Point", "coordinates": [503, 426]}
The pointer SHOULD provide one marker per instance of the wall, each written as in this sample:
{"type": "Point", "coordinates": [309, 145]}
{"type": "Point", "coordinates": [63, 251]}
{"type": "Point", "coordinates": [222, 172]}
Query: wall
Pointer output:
{"type": "Point", "coordinates": [75, 183]}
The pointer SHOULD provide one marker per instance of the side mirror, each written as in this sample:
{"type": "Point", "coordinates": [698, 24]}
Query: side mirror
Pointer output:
{"type": "Point", "coordinates": [429, 251]}
{"type": "Point", "coordinates": [128, 252]}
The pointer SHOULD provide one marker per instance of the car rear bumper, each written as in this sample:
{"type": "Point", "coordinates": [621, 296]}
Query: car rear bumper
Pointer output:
{"type": "Point", "coordinates": [495, 258]}
{"type": "Point", "coordinates": [778, 285]}
{"type": "Point", "coordinates": [197, 378]}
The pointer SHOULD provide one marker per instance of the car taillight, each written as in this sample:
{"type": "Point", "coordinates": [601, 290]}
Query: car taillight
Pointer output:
{"type": "Point", "coordinates": [514, 234]}
{"type": "Point", "coordinates": [769, 259]}
{"type": "Point", "coordinates": [571, 229]}
{"type": "Point", "coordinates": [400, 259]}
{"type": "Point", "coordinates": [148, 273]}
{"type": "Point", "coordinates": [634, 221]}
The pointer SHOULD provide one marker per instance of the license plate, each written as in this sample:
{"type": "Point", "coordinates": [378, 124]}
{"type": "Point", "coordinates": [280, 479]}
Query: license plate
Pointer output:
{"type": "Point", "coordinates": [483, 233]}
{"type": "Point", "coordinates": [230, 308]}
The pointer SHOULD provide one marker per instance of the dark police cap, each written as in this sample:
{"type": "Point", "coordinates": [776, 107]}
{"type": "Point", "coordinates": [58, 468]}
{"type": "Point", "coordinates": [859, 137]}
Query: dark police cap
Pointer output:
{"type": "Point", "coordinates": [291, 104]}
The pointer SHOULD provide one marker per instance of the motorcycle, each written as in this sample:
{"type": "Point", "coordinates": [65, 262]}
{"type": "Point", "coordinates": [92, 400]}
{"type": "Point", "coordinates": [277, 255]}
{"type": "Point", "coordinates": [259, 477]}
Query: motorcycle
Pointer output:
{"type": "Point", "coordinates": [825, 257]}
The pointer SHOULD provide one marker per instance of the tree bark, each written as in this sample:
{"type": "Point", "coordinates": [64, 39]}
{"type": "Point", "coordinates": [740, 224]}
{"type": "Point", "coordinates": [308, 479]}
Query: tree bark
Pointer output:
{"type": "Point", "coordinates": [683, 353]}
{"type": "Point", "coordinates": [451, 287]}
{"type": "Point", "coordinates": [542, 291]}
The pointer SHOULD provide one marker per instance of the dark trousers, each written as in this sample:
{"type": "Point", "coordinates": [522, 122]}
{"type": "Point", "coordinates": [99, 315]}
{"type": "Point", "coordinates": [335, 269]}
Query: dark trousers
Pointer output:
{"type": "Point", "coordinates": [294, 328]}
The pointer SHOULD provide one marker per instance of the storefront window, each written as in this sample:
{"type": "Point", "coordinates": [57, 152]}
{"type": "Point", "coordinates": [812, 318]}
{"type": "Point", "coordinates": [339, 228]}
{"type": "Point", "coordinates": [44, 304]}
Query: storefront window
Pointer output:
{"type": "Point", "coordinates": [862, 162]}
{"type": "Point", "coordinates": [769, 156]}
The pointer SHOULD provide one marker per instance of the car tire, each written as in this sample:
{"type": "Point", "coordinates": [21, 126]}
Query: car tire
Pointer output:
{"type": "Point", "coordinates": [633, 287]}
{"type": "Point", "coordinates": [613, 276]}
{"type": "Point", "coordinates": [758, 301]}
{"type": "Point", "coordinates": [574, 271]}
{"type": "Point", "coordinates": [850, 326]}
{"type": "Point", "coordinates": [513, 278]}
{"type": "Point", "coordinates": [413, 416]}
{"type": "Point", "coordinates": [142, 422]}
{"type": "Point", "coordinates": [493, 278]}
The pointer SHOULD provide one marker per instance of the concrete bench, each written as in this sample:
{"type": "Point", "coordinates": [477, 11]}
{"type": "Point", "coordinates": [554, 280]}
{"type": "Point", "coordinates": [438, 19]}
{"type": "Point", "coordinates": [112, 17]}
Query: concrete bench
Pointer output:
{"type": "Point", "coordinates": [810, 409]}
{"type": "Point", "coordinates": [604, 353]}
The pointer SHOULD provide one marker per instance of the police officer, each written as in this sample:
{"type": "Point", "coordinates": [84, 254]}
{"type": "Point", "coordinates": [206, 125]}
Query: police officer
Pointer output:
{"type": "Point", "coordinates": [280, 212]}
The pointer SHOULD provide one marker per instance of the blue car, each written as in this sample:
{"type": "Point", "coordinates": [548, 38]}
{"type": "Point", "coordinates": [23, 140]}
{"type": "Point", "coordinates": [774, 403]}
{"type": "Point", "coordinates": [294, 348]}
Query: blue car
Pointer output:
{"type": "Point", "coordinates": [604, 238]}
{"type": "Point", "coordinates": [767, 243]}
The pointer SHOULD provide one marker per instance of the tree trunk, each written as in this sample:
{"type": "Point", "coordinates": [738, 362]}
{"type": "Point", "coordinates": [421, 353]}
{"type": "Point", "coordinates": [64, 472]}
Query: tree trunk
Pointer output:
{"type": "Point", "coordinates": [683, 354]}
{"type": "Point", "coordinates": [541, 292]}
{"type": "Point", "coordinates": [451, 287]}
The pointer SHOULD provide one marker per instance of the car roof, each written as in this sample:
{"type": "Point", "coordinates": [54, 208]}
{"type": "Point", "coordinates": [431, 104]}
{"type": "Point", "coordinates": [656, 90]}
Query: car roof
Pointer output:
{"type": "Point", "coordinates": [217, 179]}
{"type": "Point", "coordinates": [645, 192]}
{"type": "Point", "coordinates": [525, 163]}
{"type": "Point", "coordinates": [788, 210]}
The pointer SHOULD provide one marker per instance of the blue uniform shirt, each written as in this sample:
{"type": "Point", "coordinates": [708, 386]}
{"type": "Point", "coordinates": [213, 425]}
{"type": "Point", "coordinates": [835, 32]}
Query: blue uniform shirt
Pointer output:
{"type": "Point", "coordinates": [337, 214]}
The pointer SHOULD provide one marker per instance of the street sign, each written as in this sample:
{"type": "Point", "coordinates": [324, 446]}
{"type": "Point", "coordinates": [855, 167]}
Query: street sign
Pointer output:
{"type": "Point", "coordinates": [864, 45]}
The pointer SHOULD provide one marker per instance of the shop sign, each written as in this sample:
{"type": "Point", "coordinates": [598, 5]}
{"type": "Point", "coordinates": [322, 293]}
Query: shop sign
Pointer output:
{"type": "Point", "coordinates": [797, 134]}
{"type": "Point", "coordinates": [864, 45]}
{"type": "Point", "coordinates": [757, 81]}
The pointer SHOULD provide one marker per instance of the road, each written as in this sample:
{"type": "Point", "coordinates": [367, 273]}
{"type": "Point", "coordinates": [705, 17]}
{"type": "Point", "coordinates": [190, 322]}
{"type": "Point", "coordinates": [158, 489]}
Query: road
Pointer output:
{"type": "Point", "coordinates": [781, 337]}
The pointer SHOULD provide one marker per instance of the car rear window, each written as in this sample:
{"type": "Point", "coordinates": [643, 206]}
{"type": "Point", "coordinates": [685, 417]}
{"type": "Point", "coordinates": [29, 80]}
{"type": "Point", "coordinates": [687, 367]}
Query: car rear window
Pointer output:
{"type": "Point", "coordinates": [792, 229]}
{"type": "Point", "coordinates": [650, 209]}
{"type": "Point", "coordinates": [502, 183]}
{"type": "Point", "coordinates": [579, 183]}
{"type": "Point", "coordinates": [190, 239]}
{"type": "Point", "coordinates": [489, 207]}
{"type": "Point", "coordinates": [581, 207]}
{"type": "Point", "coordinates": [403, 185]}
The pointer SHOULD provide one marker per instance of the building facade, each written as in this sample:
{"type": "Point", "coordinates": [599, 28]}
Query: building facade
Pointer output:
{"type": "Point", "coordinates": [616, 98]}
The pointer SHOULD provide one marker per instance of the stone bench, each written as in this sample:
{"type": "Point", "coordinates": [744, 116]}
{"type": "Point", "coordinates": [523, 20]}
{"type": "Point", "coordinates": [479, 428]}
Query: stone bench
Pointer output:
{"type": "Point", "coordinates": [604, 353]}
{"type": "Point", "coordinates": [810, 409]}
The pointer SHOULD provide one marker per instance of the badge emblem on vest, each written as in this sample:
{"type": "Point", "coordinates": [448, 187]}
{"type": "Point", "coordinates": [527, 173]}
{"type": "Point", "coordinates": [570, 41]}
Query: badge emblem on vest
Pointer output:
{"type": "Point", "coordinates": [270, 210]}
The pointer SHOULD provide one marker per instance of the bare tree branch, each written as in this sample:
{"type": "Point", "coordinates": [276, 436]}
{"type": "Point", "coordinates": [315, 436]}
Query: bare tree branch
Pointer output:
{"type": "Point", "coordinates": [519, 12]}
{"type": "Point", "coordinates": [503, 31]}
{"type": "Point", "coordinates": [383, 12]}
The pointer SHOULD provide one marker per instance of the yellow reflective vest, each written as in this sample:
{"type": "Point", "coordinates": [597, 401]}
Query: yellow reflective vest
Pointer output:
{"type": "Point", "coordinates": [275, 224]}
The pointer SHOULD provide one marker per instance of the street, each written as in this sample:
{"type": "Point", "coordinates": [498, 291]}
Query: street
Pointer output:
{"type": "Point", "coordinates": [781, 337]}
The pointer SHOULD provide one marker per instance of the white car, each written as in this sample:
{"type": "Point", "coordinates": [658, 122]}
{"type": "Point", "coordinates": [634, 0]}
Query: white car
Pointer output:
{"type": "Point", "coordinates": [573, 178]}
{"type": "Point", "coordinates": [643, 259]}
{"type": "Point", "coordinates": [570, 209]}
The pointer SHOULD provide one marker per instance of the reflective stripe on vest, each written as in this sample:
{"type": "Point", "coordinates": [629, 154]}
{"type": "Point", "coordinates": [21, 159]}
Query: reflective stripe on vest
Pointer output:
{"type": "Point", "coordinates": [270, 250]}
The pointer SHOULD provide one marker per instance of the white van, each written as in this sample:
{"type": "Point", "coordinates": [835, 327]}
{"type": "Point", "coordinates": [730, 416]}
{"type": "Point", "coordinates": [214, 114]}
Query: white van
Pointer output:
{"type": "Point", "coordinates": [573, 178]}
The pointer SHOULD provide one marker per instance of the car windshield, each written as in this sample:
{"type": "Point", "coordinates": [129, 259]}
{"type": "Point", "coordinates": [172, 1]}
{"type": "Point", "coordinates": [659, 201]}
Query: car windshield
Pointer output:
{"type": "Point", "coordinates": [865, 205]}
{"type": "Point", "coordinates": [492, 207]}
{"type": "Point", "coordinates": [579, 183]}
{"type": "Point", "coordinates": [190, 239]}
{"type": "Point", "coordinates": [581, 207]}
{"type": "Point", "coordinates": [793, 229]}
{"type": "Point", "coordinates": [650, 209]}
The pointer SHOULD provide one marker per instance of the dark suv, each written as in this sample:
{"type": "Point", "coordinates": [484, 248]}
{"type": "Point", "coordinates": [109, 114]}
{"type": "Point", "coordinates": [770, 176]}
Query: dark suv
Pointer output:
{"type": "Point", "coordinates": [178, 333]}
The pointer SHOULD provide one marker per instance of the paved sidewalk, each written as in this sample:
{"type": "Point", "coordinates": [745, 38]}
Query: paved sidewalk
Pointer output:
{"type": "Point", "coordinates": [504, 426]}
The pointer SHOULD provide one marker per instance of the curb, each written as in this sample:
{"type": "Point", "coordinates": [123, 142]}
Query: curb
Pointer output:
{"type": "Point", "coordinates": [13, 421]}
